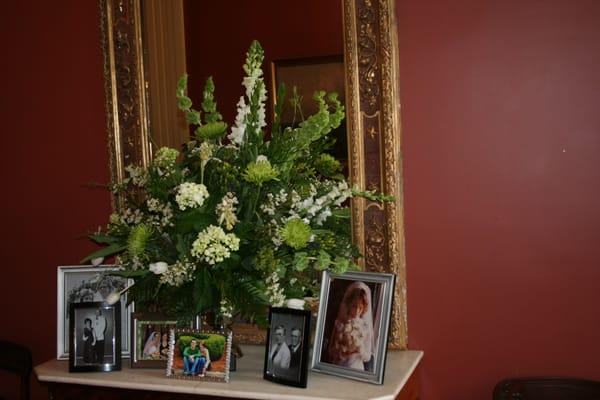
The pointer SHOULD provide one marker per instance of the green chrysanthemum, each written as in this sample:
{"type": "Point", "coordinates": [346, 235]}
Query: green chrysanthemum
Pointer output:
{"type": "Point", "coordinates": [138, 238]}
{"type": "Point", "coordinates": [327, 165]}
{"type": "Point", "coordinates": [212, 130]}
{"type": "Point", "coordinates": [295, 233]}
{"type": "Point", "coordinates": [259, 172]}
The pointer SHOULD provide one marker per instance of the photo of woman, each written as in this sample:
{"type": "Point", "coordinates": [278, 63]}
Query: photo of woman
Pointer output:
{"type": "Point", "coordinates": [152, 345]}
{"type": "Point", "coordinates": [351, 344]}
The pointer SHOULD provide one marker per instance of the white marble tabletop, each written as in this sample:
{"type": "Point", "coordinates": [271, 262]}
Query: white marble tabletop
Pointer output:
{"type": "Point", "coordinates": [245, 383]}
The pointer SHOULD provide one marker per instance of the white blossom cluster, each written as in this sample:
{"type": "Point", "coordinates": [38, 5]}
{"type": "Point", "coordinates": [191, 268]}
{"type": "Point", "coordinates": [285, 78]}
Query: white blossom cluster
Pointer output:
{"type": "Point", "coordinates": [178, 273]}
{"type": "Point", "coordinates": [213, 245]}
{"type": "Point", "coordinates": [127, 217]}
{"type": "Point", "coordinates": [191, 195]}
{"type": "Point", "coordinates": [226, 211]}
{"type": "Point", "coordinates": [138, 175]}
{"type": "Point", "coordinates": [161, 213]}
{"type": "Point", "coordinates": [274, 290]}
{"type": "Point", "coordinates": [226, 308]}
{"type": "Point", "coordinates": [318, 209]}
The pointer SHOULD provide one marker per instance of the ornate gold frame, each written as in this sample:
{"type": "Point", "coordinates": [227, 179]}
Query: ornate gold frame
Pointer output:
{"type": "Point", "coordinates": [373, 120]}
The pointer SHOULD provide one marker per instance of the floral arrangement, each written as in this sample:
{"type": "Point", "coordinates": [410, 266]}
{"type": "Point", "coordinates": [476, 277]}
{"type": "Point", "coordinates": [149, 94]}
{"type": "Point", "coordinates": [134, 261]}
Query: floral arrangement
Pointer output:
{"type": "Point", "coordinates": [242, 217]}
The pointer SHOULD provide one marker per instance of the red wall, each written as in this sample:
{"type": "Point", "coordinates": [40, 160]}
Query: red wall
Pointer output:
{"type": "Point", "coordinates": [501, 155]}
{"type": "Point", "coordinates": [501, 146]}
{"type": "Point", "coordinates": [53, 142]}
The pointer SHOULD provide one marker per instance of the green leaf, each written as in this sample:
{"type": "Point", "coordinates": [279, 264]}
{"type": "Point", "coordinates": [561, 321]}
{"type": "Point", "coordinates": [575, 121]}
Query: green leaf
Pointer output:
{"type": "Point", "coordinates": [300, 261]}
{"type": "Point", "coordinates": [194, 220]}
{"type": "Point", "coordinates": [104, 239]}
{"type": "Point", "coordinates": [107, 251]}
{"type": "Point", "coordinates": [323, 260]}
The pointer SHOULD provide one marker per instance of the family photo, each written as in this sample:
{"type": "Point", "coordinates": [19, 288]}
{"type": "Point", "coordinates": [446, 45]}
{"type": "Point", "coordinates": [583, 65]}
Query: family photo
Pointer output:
{"type": "Point", "coordinates": [287, 348]}
{"type": "Point", "coordinates": [88, 284]}
{"type": "Point", "coordinates": [199, 355]}
{"type": "Point", "coordinates": [94, 330]}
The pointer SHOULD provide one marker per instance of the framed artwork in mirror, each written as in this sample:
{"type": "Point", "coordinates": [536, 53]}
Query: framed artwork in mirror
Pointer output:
{"type": "Point", "coordinates": [353, 325]}
{"type": "Point", "coordinates": [199, 354]}
{"type": "Point", "coordinates": [372, 95]}
{"type": "Point", "coordinates": [76, 284]}
{"type": "Point", "coordinates": [150, 339]}
{"type": "Point", "coordinates": [95, 337]}
{"type": "Point", "coordinates": [286, 353]}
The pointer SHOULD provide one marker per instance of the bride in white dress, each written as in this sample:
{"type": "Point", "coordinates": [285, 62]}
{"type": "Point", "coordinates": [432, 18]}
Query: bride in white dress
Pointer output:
{"type": "Point", "coordinates": [351, 343]}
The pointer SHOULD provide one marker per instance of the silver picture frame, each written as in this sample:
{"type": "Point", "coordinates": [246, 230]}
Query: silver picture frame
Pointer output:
{"type": "Point", "coordinates": [81, 283]}
{"type": "Point", "coordinates": [353, 323]}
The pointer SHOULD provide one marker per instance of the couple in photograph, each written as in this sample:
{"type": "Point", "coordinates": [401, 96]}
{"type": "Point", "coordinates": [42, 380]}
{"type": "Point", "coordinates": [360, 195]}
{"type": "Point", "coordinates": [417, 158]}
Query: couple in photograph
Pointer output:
{"type": "Point", "coordinates": [285, 359]}
{"type": "Point", "coordinates": [196, 358]}
{"type": "Point", "coordinates": [93, 338]}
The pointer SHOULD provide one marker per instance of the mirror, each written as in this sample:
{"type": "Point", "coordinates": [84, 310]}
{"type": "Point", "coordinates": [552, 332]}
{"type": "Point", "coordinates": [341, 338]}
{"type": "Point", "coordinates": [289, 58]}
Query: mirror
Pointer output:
{"type": "Point", "coordinates": [371, 91]}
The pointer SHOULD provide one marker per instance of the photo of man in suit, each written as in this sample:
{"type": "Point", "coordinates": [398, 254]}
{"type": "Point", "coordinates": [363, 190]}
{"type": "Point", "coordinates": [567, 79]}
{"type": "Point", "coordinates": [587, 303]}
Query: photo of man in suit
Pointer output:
{"type": "Point", "coordinates": [296, 348]}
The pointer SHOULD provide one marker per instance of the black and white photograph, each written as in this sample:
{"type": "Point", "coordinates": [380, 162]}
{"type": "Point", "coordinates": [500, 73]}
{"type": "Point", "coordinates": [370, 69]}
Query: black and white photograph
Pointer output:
{"type": "Point", "coordinates": [78, 284]}
{"type": "Point", "coordinates": [353, 324]}
{"type": "Point", "coordinates": [95, 331]}
{"type": "Point", "coordinates": [286, 355]}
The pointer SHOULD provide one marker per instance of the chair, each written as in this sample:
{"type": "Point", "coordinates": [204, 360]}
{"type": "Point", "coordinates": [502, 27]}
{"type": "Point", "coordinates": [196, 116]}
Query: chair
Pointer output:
{"type": "Point", "coordinates": [546, 388]}
{"type": "Point", "coordinates": [16, 359]}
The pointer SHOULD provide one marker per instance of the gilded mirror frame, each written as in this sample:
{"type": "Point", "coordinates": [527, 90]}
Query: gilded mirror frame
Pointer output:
{"type": "Point", "coordinates": [373, 121]}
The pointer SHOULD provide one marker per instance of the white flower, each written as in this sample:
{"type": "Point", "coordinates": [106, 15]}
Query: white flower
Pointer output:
{"type": "Point", "coordinates": [158, 268]}
{"type": "Point", "coordinates": [179, 273]}
{"type": "Point", "coordinates": [274, 290]}
{"type": "Point", "coordinates": [213, 245]}
{"type": "Point", "coordinates": [191, 195]}
{"type": "Point", "coordinates": [206, 151]}
{"type": "Point", "coordinates": [226, 211]}
{"type": "Point", "coordinates": [238, 131]}
{"type": "Point", "coordinates": [262, 158]}
{"type": "Point", "coordinates": [138, 175]}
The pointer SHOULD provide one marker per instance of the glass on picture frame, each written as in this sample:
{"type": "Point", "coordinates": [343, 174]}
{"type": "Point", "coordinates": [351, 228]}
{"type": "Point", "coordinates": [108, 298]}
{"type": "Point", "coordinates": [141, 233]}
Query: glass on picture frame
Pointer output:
{"type": "Point", "coordinates": [150, 339]}
{"type": "Point", "coordinates": [353, 325]}
{"type": "Point", "coordinates": [286, 353]}
{"type": "Point", "coordinates": [94, 333]}
{"type": "Point", "coordinates": [76, 284]}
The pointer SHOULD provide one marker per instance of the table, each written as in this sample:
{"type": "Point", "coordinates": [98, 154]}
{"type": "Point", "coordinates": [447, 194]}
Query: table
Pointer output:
{"type": "Point", "coordinates": [401, 382]}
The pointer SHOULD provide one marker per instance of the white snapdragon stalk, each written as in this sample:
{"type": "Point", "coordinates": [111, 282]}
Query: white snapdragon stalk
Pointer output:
{"type": "Point", "coordinates": [191, 195]}
{"type": "Point", "coordinates": [239, 129]}
{"type": "Point", "coordinates": [274, 290]}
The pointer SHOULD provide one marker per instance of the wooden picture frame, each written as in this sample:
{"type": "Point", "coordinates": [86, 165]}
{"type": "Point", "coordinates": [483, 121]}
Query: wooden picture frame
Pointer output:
{"type": "Point", "coordinates": [353, 325]}
{"type": "Point", "coordinates": [150, 339]}
{"type": "Point", "coordinates": [286, 353]}
{"type": "Point", "coordinates": [372, 119]}
{"type": "Point", "coordinates": [95, 337]}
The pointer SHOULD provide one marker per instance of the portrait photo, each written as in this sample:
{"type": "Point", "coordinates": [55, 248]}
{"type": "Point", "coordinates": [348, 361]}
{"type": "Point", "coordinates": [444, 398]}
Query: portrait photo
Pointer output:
{"type": "Point", "coordinates": [79, 284]}
{"type": "Point", "coordinates": [95, 331]}
{"type": "Point", "coordinates": [286, 354]}
{"type": "Point", "coordinates": [353, 324]}
{"type": "Point", "coordinates": [150, 340]}
{"type": "Point", "coordinates": [199, 355]}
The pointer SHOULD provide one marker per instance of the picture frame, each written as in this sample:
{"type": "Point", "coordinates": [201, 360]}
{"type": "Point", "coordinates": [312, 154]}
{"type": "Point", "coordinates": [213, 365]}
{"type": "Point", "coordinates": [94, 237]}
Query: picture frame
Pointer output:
{"type": "Point", "coordinates": [88, 283]}
{"type": "Point", "coordinates": [353, 325]}
{"type": "Point", "coordinates": [95, 337]}
{"type": "Point", "coordinates": [150, 339]}
{"type": "Point", "coordinates": [308, 75]}
{"type": "Point", "coordinates": [201, 355]}
{"type": "Point", "coordinates": [286, 353]}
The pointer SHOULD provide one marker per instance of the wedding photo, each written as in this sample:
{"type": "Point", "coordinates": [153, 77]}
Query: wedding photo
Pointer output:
{"type": "Point", "coordinates": [95, 331]}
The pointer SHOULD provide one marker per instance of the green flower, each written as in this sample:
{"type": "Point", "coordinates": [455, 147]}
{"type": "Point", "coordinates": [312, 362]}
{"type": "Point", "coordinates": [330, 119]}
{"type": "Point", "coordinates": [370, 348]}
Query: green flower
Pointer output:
{"type": "Point", "coordinates": [327, 165]}
{"type": "Point", "coordinates": [138, 238]}
{"type": "Point", "coordinates": [295, 233]}
{"type": "Point", "coordinates": [265, 259]}
{"type": "Point", "coordinates": [212, 130]}
{"type": "Point", "coordinates": [260, 172]}
{"type": "Point", "coordinates": [166, 157]}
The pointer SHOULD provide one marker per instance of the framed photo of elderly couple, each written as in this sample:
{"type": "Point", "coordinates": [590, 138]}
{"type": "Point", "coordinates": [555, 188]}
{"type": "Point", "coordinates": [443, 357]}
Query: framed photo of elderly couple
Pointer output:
{"type": "Point", "coordinates": [353, 325]}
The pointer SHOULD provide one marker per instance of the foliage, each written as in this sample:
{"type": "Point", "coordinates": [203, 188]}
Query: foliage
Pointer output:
{"type": "Point", "coordinates": [241, 217]}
